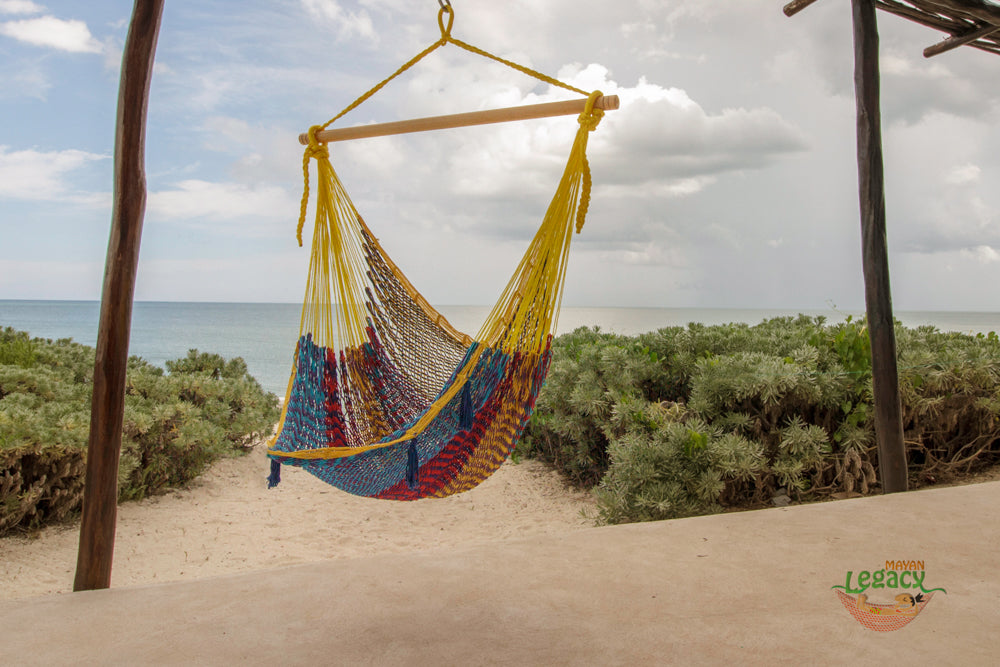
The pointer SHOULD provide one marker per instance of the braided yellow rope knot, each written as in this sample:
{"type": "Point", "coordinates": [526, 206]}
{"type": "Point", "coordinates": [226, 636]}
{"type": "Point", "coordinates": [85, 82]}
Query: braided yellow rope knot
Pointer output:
{"type": "Point", "coordinates": [317, 151]}
{"type": "Point", "coordinates": [591, 117]}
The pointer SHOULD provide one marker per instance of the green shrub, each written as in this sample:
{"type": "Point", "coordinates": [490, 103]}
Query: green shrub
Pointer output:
{"type": "Point", "coordinates": [175, 424]}
{"type": "Point", "coordinates": [16, 349]}
{"type": "Point", "coordinates": [692, 420]}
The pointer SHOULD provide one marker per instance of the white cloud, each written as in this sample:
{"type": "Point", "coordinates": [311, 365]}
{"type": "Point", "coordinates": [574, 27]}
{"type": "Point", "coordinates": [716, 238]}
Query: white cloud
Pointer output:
{"type": "Point", "coordinates": [264, 153]}
{"type": "Point", "coordinates": [36, 175]}
{"type": "Point", "coordinates": [963, 175]}
{"type": "Point", "coordinates": [734, 148]}
{"type": "Point", "coordinates": [34, 279]}
{"type": "Point", "coordinates": [64, 35]}
{"type": "Point", "coordinates": [347, 23]}
{"type": "Point", "coordinates": [983, 254]}
{"type": "Point", "coordinates": [20, 7]}
{"type": "Point", "coordinates": [275, 277]}
{"type": "Point", "coordinates": [660, 143]}
{"type": "Point", "coordinates": [23, 79]}
{"type": "Point", "coordinates": [661, 133]}
{"type": "Point", "coordinates": [193, 200]}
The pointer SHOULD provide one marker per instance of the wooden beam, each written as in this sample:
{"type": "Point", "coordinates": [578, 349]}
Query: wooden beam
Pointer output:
{"type": "Point", "coordinates": [100, 496]}
{"type": "Point", "coordinates": [956, 41]}
{"type": "Point", "coordinates": [796, 6]}
{"type": "Point", "coordinates": [524, 112]}
{"type": "Point", "coordinates": [874, 250]}
{"type": "Point", "coordinates": [978, 10]}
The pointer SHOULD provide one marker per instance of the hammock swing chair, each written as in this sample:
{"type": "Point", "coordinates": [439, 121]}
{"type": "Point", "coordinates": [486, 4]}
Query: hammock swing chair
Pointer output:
{"type": "Point", "coordinates": [386, 399]}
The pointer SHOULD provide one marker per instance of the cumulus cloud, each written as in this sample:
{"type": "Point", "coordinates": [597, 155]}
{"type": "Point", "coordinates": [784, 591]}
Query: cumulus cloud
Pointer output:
{"type": "Point", "coordinates": [661, 142]}
{"type": "Point", "coordinates": [197, 200]}
{"type": "Point", "coordinates": [40, 176]}
{"type": "Point", "coordinates": [21, 79]}
{"type": "Point", "coordinates": [965, 223]}
{"type": "Point", "coordinates": [947, 204]}
{"type": "Point", "coordinates": [40, 279]}
{"type": "Point", "coordinates": [915, 87]}
{"type": "Point", "coordinates": [348, 23]}
{"type": "Point", "coordinates": [263, 152]}
{"type": "Point", "coordinates": [20, 7]}
{"type": "Point", "coordinates": [661, 147]}
{"type": "Point", "coordinates": [966, 174]}
{"type": "Point", "coordinates": [663, 134]}
{"type": "Point", "coordinates": [65, 35]}
{"type": "Point", "coordinates": [983, 254]}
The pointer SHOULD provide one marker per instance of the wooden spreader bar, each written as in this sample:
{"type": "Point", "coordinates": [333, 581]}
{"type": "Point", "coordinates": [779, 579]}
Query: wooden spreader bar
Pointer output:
{"type": "Point", "coordinates": [526, 112]}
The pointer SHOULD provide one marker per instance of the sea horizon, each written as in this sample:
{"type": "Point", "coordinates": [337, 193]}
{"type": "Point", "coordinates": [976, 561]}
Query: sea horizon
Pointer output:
{"type": "Point", "coordinates": [264, 334]}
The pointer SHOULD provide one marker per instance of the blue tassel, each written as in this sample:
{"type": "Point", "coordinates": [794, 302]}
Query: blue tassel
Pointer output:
{"type": "Point", "coordinates": [465, 412]}
{"type": "Point", "coordinates": [275, 477]}
{"type": "Point", "coordinates": [412, 465]}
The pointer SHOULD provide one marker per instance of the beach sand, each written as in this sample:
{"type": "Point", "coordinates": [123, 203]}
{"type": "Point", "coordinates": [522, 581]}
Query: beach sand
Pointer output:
{"type": "Point", "coordinates": [227, 521]}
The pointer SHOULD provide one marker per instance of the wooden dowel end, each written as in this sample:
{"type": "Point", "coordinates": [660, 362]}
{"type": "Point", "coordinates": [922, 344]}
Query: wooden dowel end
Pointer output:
{"type": "Point", "coordinates": [607, 102]}
{"type": "Point", "coordinates": [525, 112]}
{"type": "Point", "coordinates": [956, 41]}
{"type": "Point", "coordinates": [796, 6]}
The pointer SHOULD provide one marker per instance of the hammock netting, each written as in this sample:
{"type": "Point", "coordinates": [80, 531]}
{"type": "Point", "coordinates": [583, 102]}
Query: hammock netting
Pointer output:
{"type": "Point", "coordinates": [388, 400]}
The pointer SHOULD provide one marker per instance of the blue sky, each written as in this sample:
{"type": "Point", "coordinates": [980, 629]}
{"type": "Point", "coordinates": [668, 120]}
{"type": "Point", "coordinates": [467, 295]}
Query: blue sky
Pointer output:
{"type": "Point", "coordinates": [726, 180]}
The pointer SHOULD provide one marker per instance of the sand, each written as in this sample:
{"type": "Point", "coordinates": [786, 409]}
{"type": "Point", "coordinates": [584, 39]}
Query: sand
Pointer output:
{"type": "Point", "coordinates": [227, 522]}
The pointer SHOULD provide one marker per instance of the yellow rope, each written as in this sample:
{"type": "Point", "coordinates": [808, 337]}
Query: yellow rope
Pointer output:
{"type": "Point", "coordinates": [317, 150]}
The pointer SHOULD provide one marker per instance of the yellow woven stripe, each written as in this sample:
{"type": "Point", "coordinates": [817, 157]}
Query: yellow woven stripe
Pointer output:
{"type": "Point", "coordinates": [325, 452]}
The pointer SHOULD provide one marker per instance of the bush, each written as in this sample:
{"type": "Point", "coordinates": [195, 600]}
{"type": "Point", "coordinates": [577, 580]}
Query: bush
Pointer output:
{"type": "Point", "coordinates": [175, 424]}
{"type": "Point", "coordinates": [692, 420]}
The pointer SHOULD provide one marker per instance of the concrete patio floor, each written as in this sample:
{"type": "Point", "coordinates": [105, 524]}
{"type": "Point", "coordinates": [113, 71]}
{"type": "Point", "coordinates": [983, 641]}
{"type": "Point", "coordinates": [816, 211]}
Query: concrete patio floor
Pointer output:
{"type": "Point", "coordinates": [742, 588]}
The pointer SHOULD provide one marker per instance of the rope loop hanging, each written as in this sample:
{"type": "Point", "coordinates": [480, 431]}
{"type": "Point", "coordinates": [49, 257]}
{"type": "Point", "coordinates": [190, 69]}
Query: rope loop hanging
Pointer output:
{"type": "Point", "coordinates": [445, 30]}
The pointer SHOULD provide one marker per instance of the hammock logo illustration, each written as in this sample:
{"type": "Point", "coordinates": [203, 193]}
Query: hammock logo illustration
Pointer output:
{"type": "Point", "coordinates": [901, 581]}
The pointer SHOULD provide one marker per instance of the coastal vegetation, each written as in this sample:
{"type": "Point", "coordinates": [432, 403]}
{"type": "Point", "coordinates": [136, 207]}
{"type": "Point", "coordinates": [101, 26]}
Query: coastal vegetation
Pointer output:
{"type": "Point", "coordinates": [177, 421]}
{"type": "Point", "coordinates": [677, 422]}
{"type": "Point", "coordinates": [699, 419]}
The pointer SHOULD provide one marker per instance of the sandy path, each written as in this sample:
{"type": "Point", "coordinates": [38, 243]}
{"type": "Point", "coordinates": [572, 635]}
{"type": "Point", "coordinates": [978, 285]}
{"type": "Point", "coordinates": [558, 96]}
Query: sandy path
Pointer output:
{"type": "Point", "coordinates": [227, 521]}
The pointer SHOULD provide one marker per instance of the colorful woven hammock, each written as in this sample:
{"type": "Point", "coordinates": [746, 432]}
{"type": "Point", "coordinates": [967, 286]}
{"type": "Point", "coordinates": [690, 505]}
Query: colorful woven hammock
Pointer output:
{"type": "Point", "coordinates": [386, 399]}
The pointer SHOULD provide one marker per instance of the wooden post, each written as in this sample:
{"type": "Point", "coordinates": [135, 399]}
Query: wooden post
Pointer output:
{"type": "Point", "coordinates": [100, 496]}
{"type": "Point", "coordinates": [874, 252]}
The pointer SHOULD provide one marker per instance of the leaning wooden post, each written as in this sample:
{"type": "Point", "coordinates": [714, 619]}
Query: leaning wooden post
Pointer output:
{"type": "Point", "coordinates": [874, 252]}
{"type": "Point", "coordinates": [100, 496]}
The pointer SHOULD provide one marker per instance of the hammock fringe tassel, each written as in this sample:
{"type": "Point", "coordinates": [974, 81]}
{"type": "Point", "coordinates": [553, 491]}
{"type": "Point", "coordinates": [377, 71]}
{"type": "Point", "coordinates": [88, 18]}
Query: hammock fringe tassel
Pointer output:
{"type": "Point", "coordinates": [275, 477]}
{"type": "Point", "coordinates": [412, 466]}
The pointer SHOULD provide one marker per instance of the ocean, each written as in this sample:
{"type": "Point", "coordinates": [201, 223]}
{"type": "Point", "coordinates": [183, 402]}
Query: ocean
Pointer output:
{"type": "Point", "coordinates": [264, 334]}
